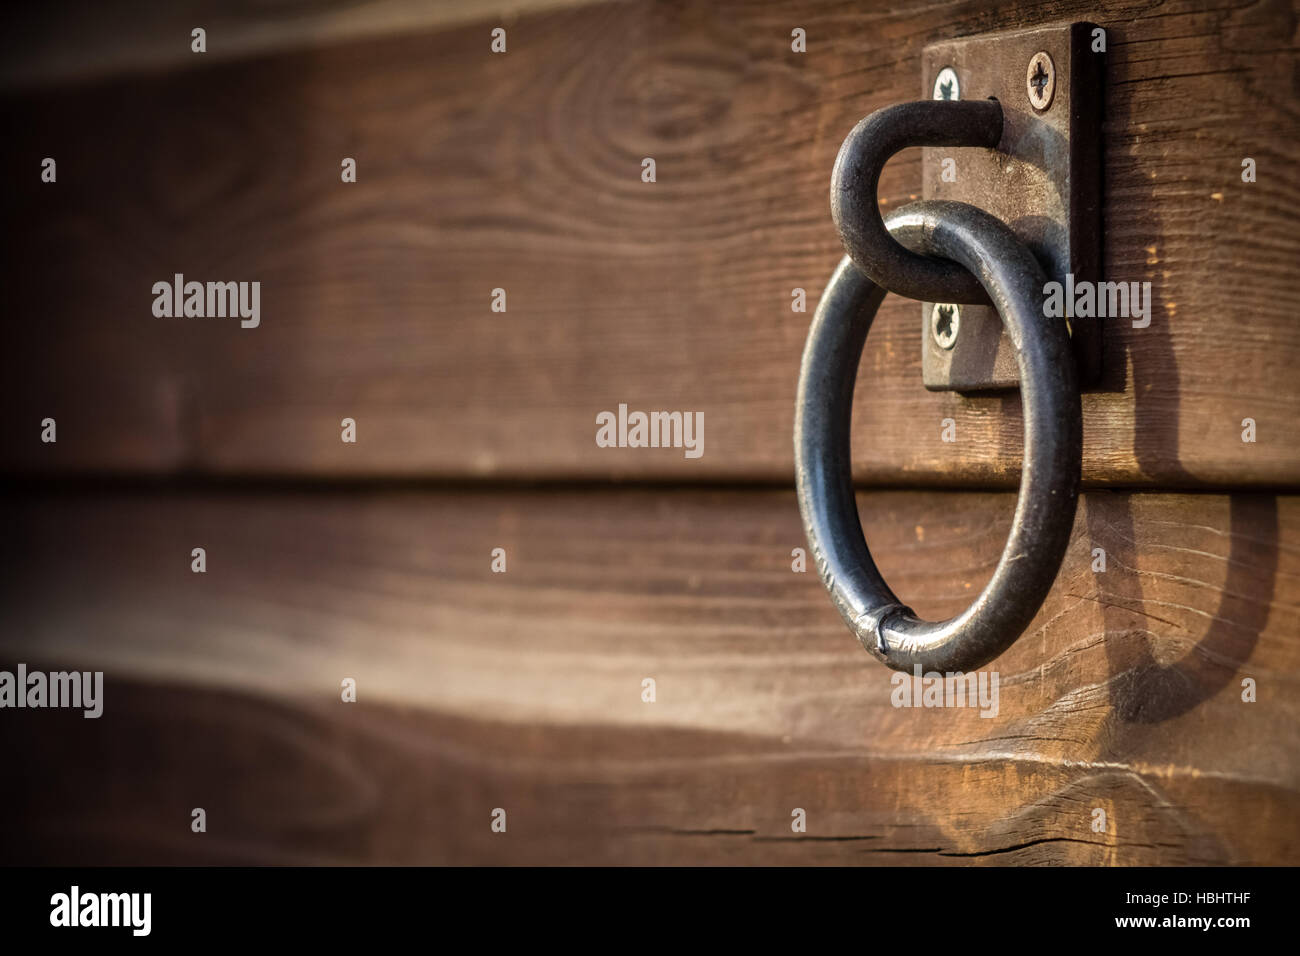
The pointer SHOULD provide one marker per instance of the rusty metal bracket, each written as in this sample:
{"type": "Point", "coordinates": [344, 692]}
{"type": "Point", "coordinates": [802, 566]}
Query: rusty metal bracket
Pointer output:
{"type": "Point", "coordinates": [1043, 180]}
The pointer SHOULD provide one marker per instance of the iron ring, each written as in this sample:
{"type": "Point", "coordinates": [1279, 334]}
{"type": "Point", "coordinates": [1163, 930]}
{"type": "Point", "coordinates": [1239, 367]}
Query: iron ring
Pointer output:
{"type": "Point", "coordinates": [1045, 508]}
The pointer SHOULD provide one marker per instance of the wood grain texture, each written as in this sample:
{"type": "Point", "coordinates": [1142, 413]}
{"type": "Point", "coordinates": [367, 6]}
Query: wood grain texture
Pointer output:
{"type": "Point", "coordinates": [63, 41]}
{"type": "Point", "coordinates": [522, 171]}
{"type": "Point", "coordinates": [522, 690]}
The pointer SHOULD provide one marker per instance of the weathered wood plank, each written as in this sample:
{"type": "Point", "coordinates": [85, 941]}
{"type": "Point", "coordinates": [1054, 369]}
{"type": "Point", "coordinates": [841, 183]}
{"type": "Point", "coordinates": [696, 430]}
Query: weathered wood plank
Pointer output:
{"type": "Point", "coordinates": [522, 172]}
{"type": "Point", "coordinates": [523, 690]}
{"type": "Point", "coordinates": [310, 783]}
{"type": "Point", "coordinates": [63, 41]}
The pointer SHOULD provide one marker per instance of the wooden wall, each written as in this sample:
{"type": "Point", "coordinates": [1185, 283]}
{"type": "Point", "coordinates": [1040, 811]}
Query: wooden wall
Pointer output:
{"type": "Point", "coordinates": [476, 430]}
{"type": "Point", "coordinates": [523, 690]}
{"type": "Point", "coordinates": [522, 172]}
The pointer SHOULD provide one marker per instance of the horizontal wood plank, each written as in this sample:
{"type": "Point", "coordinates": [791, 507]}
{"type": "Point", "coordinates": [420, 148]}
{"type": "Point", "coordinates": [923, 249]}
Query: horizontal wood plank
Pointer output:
{"type": "Point", "coordinates": [522, 171]}
{"type": "Point", "coordinates": [65, 41]}
{"type": "Point", "coordinates": [522, 689]}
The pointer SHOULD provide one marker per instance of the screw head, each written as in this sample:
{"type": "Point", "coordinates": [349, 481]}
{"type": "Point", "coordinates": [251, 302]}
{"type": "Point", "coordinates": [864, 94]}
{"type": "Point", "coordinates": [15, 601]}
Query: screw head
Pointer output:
{"type": "Point", "coordinates": [1040, 81]}
{"type": "Point", "coordinates": [945, 323]}
{"type": "Point", "coordinates": [946, 86]}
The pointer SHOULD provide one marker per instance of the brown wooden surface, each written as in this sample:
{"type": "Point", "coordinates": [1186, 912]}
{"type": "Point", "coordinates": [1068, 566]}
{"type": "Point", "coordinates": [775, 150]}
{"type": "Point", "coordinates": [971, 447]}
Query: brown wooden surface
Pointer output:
{"type": "Point", "coordinates": [522, 171]}
{"type": "Point", "coordinates": [61, 41]}
{"type": "Point", "coordinates": [522, 690]}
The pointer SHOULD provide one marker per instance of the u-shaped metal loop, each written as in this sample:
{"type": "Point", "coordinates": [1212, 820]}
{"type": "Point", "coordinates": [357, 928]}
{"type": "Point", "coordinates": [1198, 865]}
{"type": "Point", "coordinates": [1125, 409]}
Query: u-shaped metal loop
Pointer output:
{"type": "Point", "coordinates": [856, 176]}
{"type": "Point", "coordinates": [1049, 481]}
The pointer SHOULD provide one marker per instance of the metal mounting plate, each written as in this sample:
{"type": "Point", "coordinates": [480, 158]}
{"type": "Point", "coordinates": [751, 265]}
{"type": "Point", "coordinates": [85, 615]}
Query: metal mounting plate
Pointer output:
{"type": "Point", "coordinates": [1044, 180]}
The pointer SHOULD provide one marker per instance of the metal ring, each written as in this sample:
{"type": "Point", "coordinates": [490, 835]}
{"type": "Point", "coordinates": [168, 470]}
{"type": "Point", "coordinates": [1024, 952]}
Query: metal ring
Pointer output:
{"type": "Point", "coordinates": [1049, 478]}
{"type": "Point", "coordinates": [856, 210]}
